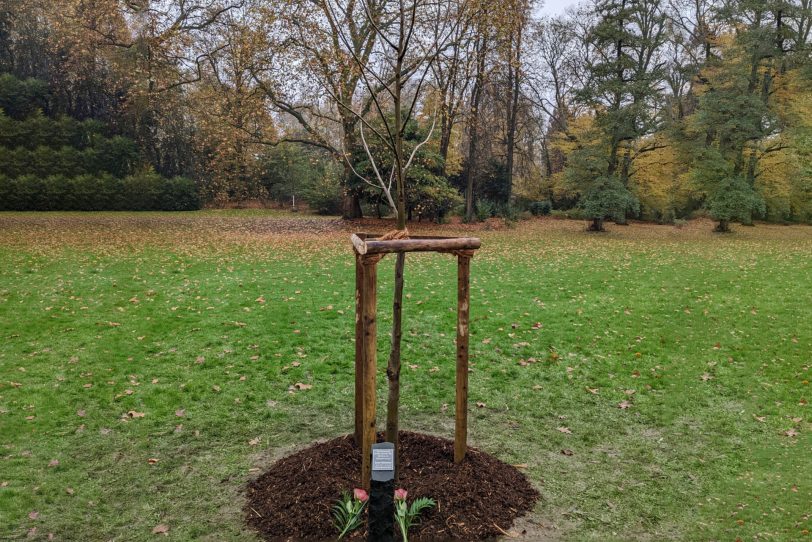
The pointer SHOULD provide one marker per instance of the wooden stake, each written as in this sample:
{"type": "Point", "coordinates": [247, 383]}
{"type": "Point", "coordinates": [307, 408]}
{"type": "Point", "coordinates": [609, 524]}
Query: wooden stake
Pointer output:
{"type": "Point", "coordinates": [369, 308]}
{"type": "Point", "coordinates": [359, 350]}
{"type": "Point", "coordinates": [461, 414]}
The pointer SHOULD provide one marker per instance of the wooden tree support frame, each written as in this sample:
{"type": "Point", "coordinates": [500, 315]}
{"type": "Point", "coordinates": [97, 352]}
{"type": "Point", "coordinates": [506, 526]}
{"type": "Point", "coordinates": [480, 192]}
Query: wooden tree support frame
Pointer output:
{"type": "Point", "coordinates": [369, 250]}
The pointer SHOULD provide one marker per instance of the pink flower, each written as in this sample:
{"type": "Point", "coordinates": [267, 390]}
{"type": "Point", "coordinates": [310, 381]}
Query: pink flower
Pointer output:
{"type": "Point", "coordinates": [400, 494]}
{"type": "Point", "coordinates": [360, 494]}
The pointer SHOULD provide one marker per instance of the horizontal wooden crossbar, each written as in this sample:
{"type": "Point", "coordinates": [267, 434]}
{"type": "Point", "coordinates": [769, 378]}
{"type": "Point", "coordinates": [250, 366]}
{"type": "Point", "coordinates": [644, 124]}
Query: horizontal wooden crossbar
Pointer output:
{"type": "Point", "coordinates": [365, 243]}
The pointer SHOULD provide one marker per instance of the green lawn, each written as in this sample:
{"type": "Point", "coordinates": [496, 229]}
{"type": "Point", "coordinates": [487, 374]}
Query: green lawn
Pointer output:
{"type": "Point", "coordinates": [147, 362]}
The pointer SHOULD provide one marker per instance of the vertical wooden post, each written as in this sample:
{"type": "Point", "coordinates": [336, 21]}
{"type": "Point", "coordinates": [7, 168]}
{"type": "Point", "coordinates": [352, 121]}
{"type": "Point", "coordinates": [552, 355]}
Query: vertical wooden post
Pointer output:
{"type": "Point", "coordinates": [369, 310]}
{"type": "Point", "coordinates": [461, 414]}
{"type": "Point", "coordinates": [359, 350]}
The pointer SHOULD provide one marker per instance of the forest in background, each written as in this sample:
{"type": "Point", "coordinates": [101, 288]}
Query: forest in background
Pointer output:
{"type": "Point", "coordinates": [620, 109]}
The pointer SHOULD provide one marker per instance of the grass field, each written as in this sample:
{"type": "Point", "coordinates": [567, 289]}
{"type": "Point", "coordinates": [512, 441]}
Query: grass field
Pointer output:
{"type": "Point", "coordinates": [653, 381]}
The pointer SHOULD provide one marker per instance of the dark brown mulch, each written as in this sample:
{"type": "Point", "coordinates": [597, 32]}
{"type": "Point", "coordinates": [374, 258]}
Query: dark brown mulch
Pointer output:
{"type": "Point", "coordinates": [293, 500]}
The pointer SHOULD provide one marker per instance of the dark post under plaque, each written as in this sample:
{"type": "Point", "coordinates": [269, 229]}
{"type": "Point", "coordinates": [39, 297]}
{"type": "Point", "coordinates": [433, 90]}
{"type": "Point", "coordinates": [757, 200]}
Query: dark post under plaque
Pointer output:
{"type": "Point", "coordinates": [382, 493]}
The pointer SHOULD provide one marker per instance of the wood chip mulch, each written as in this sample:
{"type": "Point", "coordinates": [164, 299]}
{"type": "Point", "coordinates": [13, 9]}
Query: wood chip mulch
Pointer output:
{"type": "Point", "coordinates": [476, 500]}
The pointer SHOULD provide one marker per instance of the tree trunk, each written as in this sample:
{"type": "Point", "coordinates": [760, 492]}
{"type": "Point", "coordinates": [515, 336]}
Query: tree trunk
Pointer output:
{"type": "Point", "coordinates": [393, 368]}
{"type": "Point", "coordinates": [723, 227]}
{"type": "Point", "coordinates": [476, 95]}
{"type": "Point", "coordinates": [596, 225]}
{"type": "Point", "coordinates": [514, 75]}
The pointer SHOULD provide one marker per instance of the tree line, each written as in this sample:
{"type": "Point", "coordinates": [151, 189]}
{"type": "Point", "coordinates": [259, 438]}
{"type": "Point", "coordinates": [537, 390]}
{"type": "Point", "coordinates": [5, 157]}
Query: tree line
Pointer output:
{"type": "Point", "coordinates": [618, 109]}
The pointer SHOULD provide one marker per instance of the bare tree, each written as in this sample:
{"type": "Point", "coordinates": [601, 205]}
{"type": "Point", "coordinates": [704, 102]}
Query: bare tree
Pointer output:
{"type": "Point", "coordinates": [394, 77]}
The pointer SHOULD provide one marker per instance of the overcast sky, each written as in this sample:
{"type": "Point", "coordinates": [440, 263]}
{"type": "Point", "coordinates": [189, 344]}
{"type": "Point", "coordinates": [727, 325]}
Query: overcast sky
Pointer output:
{"type": "Point", "coordinates": [556, 7]}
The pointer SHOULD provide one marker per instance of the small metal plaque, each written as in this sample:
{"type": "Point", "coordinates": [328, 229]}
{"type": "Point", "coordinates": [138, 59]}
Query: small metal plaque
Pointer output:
{"type": "Point", "coordinates": [383, 461]}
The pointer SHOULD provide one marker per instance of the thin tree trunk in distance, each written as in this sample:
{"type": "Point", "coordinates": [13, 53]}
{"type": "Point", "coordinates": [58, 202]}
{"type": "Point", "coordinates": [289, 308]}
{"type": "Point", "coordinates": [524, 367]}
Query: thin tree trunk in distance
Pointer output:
{"type": "Point", "coordinates": [393, 369]}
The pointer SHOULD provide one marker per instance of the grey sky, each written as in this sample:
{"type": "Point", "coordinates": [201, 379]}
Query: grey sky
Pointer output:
{"type": "Point", "coordinates": [556, 7]}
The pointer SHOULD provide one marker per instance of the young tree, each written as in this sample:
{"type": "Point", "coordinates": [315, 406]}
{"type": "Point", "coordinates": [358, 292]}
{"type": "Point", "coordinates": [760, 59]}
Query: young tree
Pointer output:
{"type": "Point", "coordinates": [395, 78]}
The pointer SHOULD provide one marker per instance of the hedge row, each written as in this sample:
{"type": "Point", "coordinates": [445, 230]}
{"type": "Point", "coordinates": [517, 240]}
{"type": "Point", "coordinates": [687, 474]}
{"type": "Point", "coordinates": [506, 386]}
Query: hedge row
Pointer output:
{"type": "Point", "coordinates": [141, 192]}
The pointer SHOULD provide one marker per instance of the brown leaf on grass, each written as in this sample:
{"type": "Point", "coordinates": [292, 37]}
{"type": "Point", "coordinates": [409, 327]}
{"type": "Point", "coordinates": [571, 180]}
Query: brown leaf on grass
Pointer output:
{"type": "Point", "coordinates": [538, 325]}
{"type": "Point", "coordinates": [69, 490]}
{"type": "Point", "coordinates": [300, 386]}
{"type": "Point", "coordinates": [200, 359]}
{"type": "Point", "coordinates": [565, 430]}
{"type": "Point", "coordinates": [567, 451]}
{"type": "Point", "coordinates": [791, 432]}
{"type": "Point", "coordinates": [161, 528]}
{"type": "Point", "coordinates": [260, 299]}
{"type": "Point", "coordinates": [593, 391]}
{"type": "Point", "coordinates": [180, 413]}
{"type": "Point", "coordinates": [53, 463]}
{"type": "Point", "coordinates": [520, 465]}
{"type": "Point", "coordinates": [486, 341]}
{"type": "Point", "coordinates": [635, 374]}
{"type": "Point", "coordinates": [761, 419]}
{"type": "Point", "coordinates": [629, 392]}
{"type": "Point", "coordinates": [33, 514]}
{"type": "Point", "coordinates": [480, 404]}
{"type": "Point", "coordinates": [81, 413]}
{"type": "Point", "coordinates": [623, 405]}
{"type": "Point", "coordinates": [134, 414]}
{"type": "Point", "coordinates": [705, 377]}
{"type": "Point", "coordinates": [153, 460]}
{"type": "Point", "coordinates": [254, 441]}
{"type": "Point", "coordinates": [216, 388]}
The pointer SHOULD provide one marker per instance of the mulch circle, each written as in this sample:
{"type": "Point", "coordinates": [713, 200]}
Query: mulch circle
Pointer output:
{"type": "Point", "coordinates": [476, 500]}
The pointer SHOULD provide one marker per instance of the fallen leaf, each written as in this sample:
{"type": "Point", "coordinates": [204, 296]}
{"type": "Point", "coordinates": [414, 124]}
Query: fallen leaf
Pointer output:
{"type": "Point", "coordinates": [565, 430]}
{"type": "Point", "coordinates": [791, 432]}
{"type": "Point", "coordinates": [80, 413]}
{"type": "Point", "coordinates": [520, 465]}
{"type": "Point", "coordinates": [300, 386]}
{"type": "Point", "coordinates": [623, 405]}
{"type": "Point", "coordinates": [180, 413]}
{"type": "Point", "coordinates": [134, 414]}
{"type": "Point", "coordinates": [761, 419]}
{"type": "Point", "coordinates": [161, 529]}
{"type": "Point", "coordinates": [705, 377]}
{"type": "Point", "coordinates": [200, 359]}
{"type": "Point", "coordinates": [480, 404]}
{"type": "Point", "coordinates": [254, 441]}
{"type": "Point", "coordinates": [33, 515]}
{"type": "Point", "coordinates": [53, 463]}
{"type": "Point", "coordinates": [153, 460]}
{"type": "Point", "coordinates": [593, 391]}
{"type": "Point", "coordinates": [567, 451]}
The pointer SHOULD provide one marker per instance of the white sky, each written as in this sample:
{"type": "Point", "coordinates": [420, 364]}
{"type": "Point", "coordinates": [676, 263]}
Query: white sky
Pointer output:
{"type": "Point", "coordinates": [556, 7]}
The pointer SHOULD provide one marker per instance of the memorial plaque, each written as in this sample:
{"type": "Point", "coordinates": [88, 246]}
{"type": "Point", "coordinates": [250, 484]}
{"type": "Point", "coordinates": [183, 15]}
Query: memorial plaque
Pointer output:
{"type": "Point", "coordinates": [383, 461]}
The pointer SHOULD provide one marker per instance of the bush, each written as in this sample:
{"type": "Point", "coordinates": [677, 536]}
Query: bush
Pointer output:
{"type": "Point", "coordinates": [540, 208]}
{"type": "Point", "coordinates": [324, 196]}
{"type": "Point", "coordinates": [484, 209]}
{"type": "Point", "coordinates": [180, 194]}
